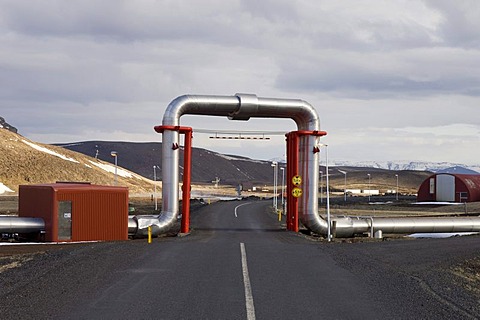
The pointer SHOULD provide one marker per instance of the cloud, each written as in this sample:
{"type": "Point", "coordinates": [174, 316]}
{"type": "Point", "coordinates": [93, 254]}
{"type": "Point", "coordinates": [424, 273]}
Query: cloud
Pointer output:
{"type": "Point", "coordinates": [382, 72]}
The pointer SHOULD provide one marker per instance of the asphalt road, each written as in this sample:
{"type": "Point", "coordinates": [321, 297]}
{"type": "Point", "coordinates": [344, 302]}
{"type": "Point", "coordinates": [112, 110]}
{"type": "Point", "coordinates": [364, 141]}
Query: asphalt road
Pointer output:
{"type": "Point", "coordinates": [238, 263]}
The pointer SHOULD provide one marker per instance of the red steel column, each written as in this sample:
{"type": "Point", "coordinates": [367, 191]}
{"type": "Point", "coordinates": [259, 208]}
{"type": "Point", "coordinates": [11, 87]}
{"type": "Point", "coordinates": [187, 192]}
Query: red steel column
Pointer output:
{"type": "Point", "coordinates": [294, 173]}
{"type": "Point", "coordinates": [187, 178]}
{"type": "Point", "coordinates": [292, 170]}
{"type": "Point", "coordinates": [187, 172]}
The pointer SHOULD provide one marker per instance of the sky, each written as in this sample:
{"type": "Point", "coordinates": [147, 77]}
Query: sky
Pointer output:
{"type": "Point", "coordinates": [390, 80]}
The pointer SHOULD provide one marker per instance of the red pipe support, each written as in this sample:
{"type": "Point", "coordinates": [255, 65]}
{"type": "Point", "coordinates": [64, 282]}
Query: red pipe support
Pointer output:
{"type": "Point", "coordinates": [292, 170]}
{"type": "Point", "coordinates": [187, 172]}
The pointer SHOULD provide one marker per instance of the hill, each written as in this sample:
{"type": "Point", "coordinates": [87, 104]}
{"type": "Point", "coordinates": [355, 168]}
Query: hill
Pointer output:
{"type": "Point", "coordinates": [26, 162]}
{"type": "Point", "coordinates": [234, 170]}
{"type": "Point", "coordinates": [206, 165]}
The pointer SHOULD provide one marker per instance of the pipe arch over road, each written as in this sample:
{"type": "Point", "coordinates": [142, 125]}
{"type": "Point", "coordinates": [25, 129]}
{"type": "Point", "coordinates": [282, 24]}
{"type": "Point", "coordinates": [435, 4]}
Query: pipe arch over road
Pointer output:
{"type": "Point", "coordinates": [239, 107]}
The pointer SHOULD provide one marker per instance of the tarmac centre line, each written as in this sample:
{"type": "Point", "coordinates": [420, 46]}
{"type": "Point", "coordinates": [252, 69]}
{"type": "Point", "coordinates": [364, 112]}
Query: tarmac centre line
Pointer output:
{"type": "Point", "coordinates": [240, 205]}
{"type": "Point", "coordinates": [248, 288]}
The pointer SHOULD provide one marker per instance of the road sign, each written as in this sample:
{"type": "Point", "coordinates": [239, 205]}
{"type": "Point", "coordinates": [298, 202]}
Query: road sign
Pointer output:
{"type": "Point", "coordinates": [297, 180]}
{"type": "Point", "coordinates": [297, 192]}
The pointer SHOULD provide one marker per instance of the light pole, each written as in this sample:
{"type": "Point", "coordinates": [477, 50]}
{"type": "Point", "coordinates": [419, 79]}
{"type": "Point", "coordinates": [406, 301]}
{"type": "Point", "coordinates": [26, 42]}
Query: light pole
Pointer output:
{"type": "Point", "coordinates": [115, 155]}
{"type": "Point", "coordinates": [369, 189]}
{"type": "Point", "coordinates": [274, 165]}
{"type": "Point", "coordinates": [345, 189]}
{"type": "Point", "coordinates": [396, 192]}
{"type": "Point", "coordinates": [329, 230]}
{"type": "Point", "coordinates": [283, 187]}
{"type": "Point", "coordinates": [321, 186]}
{"type": "Point", "coordinates": [155, 186]}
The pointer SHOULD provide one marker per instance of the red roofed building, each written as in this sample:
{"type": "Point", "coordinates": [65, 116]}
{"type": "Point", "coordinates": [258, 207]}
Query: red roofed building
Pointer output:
{"type": "Point", "coordinates": [447, 187]}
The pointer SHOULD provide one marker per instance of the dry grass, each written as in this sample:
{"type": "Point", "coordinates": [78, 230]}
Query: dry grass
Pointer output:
{"type": "Point", "coordinates": [21, 164]}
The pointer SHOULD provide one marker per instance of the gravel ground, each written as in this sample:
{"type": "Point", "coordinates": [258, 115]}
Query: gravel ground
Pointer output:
{"type": "Point", "coordinates": [36, 280]}
{"type": "Point", "coordinates": [38, 283]}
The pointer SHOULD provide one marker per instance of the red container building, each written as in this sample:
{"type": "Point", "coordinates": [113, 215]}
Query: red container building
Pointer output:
{"type": "Point", "coordinates": [77, 211]}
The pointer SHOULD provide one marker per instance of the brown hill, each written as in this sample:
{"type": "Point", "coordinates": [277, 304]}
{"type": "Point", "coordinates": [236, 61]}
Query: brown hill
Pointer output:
{"type": "Point", "coordinates": [26, 162]}
{"type": "Point", "coordinates": [233, 170]}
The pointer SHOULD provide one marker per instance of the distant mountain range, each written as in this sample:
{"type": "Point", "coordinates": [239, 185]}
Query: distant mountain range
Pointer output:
{"type": "Point", "coordinates": [435, 167]}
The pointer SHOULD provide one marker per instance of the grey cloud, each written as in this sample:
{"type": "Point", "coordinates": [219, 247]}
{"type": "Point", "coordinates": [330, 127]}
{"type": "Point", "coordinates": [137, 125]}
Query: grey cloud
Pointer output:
{"type": "Point", "coordinates": [381, 75]}
{"type": "Point", "coordinates": [460, 23]}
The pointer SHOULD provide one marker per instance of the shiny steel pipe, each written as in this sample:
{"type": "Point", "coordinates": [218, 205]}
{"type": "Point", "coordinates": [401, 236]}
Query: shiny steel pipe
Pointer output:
{"type": "Point", "coordinates": [345, 227]}
{"type": "Point", "coordinates": [132, 226]}
{"type": "Point", "coordinates": [13, 224]}
{"type": "Point", "coordinates": [238, 107]}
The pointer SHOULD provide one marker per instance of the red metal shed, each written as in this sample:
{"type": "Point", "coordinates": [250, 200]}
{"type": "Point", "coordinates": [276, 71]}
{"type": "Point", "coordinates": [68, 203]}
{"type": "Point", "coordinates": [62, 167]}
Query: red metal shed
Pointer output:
{"type": "Point", "coordinates": [77, 211]}
{"type": "Point", "coordinates": [450, 188]}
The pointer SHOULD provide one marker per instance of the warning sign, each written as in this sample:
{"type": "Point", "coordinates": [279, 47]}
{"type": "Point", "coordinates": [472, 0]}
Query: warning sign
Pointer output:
{"type": "Point", "coordinates": [297, 180]}
{"type": "Point", "coordinates": [296, 192]}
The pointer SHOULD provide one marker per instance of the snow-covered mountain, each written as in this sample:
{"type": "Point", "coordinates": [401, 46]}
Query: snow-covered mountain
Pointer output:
{"type": "Point", "coordinates": [411, 165]}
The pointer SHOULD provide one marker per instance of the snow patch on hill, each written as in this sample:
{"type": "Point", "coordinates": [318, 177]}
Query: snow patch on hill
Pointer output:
{"type": "Point", "coordinates": [4, 188]}
{"type": "Point", "coordinates": [53, 153]}
{"type": "Point", "coordinates": [110, 168]}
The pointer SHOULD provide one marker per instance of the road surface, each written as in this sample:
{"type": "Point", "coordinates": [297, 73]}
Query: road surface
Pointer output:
{"type": "Point", "coordinates": [238, 263]}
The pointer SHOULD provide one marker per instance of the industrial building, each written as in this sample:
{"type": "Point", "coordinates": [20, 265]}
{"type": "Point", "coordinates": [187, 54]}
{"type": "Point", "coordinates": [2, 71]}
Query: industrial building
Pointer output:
{"type": "Point", "coordinates": [447, 187]}
{"type": "Point", "coordinates": [77, 211]}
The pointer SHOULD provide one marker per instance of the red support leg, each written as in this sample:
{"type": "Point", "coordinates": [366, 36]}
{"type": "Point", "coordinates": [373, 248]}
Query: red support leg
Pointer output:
{"type": "Point", "coordinates": [187, 179]}
{"type": "Point", "coordinates": [292, 170]}
{"type": "Point", "coordinates": [295, 172]}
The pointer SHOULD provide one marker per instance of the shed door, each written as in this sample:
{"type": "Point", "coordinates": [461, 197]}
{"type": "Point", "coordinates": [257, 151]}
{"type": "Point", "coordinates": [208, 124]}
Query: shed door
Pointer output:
{"type": "Point", "coordinates": [64, 220]}
{"type": "Point", "coordinates": [445, 188]}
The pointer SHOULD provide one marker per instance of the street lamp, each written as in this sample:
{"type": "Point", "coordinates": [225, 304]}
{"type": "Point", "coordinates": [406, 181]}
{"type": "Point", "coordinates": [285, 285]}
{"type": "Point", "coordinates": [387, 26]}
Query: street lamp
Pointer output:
{"type": "Point", "coordinates": [369, 189]}
{"type": "Point", "coordinates": [274, 165]}
{"type": "Point", "coordinates": [329, 231]}
{"type": "Point", "coordinates": [345, 189]}
{"type": "Point", "coordinates": [155, 186]}
{"type": "Point", "coordinates": [396, 193]}
{"type": "Point", "coordinates": [115, 155]}
{"type": "Point", "coordinates": [283, 187]}
{"type": "Point", "coordinates": [321, 186]}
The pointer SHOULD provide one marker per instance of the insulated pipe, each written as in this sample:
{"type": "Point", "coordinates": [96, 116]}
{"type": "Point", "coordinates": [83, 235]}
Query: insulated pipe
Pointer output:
{"type": "Point", "coordinates": [237, 107]}
{"type": "Point", "coordinates": [351, 226]}
{"type": "Point", "coordinates": [13, 224]}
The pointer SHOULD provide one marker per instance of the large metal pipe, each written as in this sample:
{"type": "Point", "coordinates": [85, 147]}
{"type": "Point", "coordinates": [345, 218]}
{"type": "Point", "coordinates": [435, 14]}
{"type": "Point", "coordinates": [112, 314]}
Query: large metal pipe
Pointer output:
{"type": "Point", "coordinates": [351, 226]}
{"type": "Point", "coordinates": [238, 107]}
{"type": "Point", "coordinates": [23, 225]}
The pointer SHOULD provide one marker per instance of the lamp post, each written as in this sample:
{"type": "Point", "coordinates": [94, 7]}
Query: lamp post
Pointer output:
{"type": "Point", "coordinates": [329, 223]}
{"type": "Point", "coordinates": [345, 188]}
{"type": "Point", "coordinates": [115, 155]}
{"type": "Point", "coordinates": [274, 165]}
{"type": "Point", "coordinates": [283, 187]}
{"type": "Point", "coordinates": [369, 189]}
{"type": "Point", "coordinates": [321, 186]}
{"type": "Point", "coordinates": [396, 192]}
{"type": "Point", "coordinates": [155, 186]}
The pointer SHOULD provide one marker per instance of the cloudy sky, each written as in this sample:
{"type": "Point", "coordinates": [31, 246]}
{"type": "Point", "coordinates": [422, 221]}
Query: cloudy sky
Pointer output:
{"type": "Point", "coordinates": [391, 80]}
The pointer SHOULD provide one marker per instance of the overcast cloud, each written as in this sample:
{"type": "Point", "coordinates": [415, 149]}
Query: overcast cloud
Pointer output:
{"type": "Point", "coordinates": [391, 80]}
